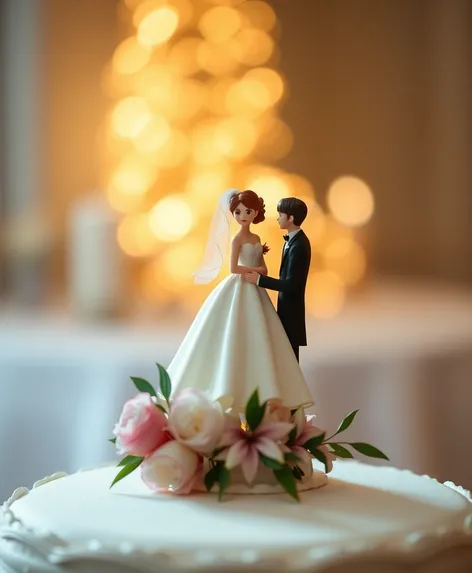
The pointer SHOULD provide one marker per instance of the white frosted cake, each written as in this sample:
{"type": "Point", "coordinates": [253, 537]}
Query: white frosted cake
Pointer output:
{"type": "Point", "coordinates": [204, 489]}
{"type": "Point", "coordinates": [366, 520]}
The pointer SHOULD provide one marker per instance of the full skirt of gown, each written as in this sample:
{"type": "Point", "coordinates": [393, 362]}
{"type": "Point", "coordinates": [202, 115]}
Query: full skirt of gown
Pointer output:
{"type": "Point", "coordinates": [237, 343]}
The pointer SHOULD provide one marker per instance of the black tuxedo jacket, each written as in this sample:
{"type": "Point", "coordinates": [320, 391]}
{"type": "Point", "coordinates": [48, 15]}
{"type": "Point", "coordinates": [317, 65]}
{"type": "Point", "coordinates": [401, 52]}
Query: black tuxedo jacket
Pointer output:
{"type": "Point", "coordinates": [291, 286]}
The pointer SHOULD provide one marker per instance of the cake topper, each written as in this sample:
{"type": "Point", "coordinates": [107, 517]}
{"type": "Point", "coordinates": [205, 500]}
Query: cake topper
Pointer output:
{"type": "Point", "coordinates": [294, 268]}
{"type": "Point", "coordinates": [237, 398]}
{"type": "Point", "coordinates": [237, 342]}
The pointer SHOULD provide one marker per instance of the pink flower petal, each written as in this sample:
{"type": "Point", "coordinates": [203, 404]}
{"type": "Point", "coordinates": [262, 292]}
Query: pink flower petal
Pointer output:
{"type": "Point", "coordinates": [307, 433]}
{"type": "Point", "coordinates": [236, 454]}
{"type": "Point", "coordinates": [232, 432]}
{"type": "Point", "coordinates": [270, 449]}
{"type": "Point", "coordinates": [304, 456]}
{"type": "Point", "coordinates": [273, 430]}
{"type": "Point", "coordinates": [228, 438]}
{"type": "Point", "coordinates": [249, 464]}
{"type": "Point", "coordinates": [187, 488]}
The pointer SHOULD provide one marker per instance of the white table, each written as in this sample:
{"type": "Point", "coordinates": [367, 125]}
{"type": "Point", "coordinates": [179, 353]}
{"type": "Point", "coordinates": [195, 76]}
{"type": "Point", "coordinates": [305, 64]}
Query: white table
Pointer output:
{"type": "Point", "coordinates": [402, 354]}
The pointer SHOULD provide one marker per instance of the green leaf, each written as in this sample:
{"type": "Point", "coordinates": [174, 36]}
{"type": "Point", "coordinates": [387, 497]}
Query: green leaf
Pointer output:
{"type": "Point", "coordinates": [297, 473]}
{"type": "Point", "coordinates": [161, 408]}
{"type": "Point", "coordinates": [340, 451]}
{"type": "Point", "coordinates": [321, 458]}
{"type": "Point", "coordinates": [224, 479]}
{"type": "Point", "coordinates": [287, 480]}
{"type": "Point", "coordinates": [291, 457]}
{"type": "Point", "coordinates": [270, 463]}
{"type": "Point", "coordinates": [143, 386]}
{"type": "Point", "coordinates": [112, 440]}
{"type": "Point", "coordinates": [129, 460]}
{"type": "Point", "coordinates": [126, 470]}
{"type": "Point", "coordinates": [313, 443]}
{"type": "Point", "coordinates": [164, 382]}
{"type": "Point", "coordinates": [254, 411]}
{"type": "Point", "coordinates": [211, 477]}
{"type": "Point", "coordinates": [369, 450]}
{"type": "Point", "coordinates": [344, 425]}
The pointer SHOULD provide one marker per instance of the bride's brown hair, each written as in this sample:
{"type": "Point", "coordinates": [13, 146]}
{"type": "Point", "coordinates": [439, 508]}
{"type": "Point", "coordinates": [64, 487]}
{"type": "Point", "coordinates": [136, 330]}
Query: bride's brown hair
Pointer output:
{"type": "Point", "coordinates": [250, 200]}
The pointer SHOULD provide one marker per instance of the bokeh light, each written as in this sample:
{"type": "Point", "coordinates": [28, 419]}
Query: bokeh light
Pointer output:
{"type": "Point", "coordinates": [130, 56]}
{"type": "Point", "coordinates": [135, 235]}
{"type": "Point", "coordinates": [259, 15]}
{"type": "Point", "coordinates": [254, 47]}
{"type": "Point", "coordinates": [217, 59]}
{"type": "Point", "coordinates": [275, 139]}
{"type": "Point", "coordinates": [183, 55]}
{"type": "Point", "coordinates": [351, 201]}
{"type": "Point", "coordinates": [157, 26]}
{"type": "Point", "coordinates": [153, 136]}
{"type": "Point", "coordinates": [325, 294]}
{"type": "Point", "coordinates": [179, 261]}
{"type": "Point", "coordinates": [347, 259]}
{"type": "Point", "coordinates": [197, 97]}
{"type": "Point", "coordinates": [235, 137]}
{"type": "Point", "coordinates": [272, 188]}
{"type": "Point", "coordinates": [171, 218]}
{"type": "Point", "coordinates": [133, 177]}
{"type": "Point", "coordinates": [130, 117]}
{"type": "Point", "coordinates": [220, 24]}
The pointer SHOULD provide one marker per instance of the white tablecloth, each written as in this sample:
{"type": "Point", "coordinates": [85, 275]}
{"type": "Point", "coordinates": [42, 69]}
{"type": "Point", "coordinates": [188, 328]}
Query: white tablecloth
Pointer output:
{"type": "Point", "coordinates": [402, 354]}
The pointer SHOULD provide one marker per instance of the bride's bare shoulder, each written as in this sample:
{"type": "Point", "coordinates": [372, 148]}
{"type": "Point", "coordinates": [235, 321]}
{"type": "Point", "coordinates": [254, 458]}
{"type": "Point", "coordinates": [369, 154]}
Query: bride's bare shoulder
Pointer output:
{"type": "Point", "coordinates": [236, 244]}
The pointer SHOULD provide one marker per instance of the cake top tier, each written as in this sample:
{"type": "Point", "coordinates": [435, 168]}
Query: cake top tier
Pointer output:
{"type": "Point", "coordinates": [362, 509]}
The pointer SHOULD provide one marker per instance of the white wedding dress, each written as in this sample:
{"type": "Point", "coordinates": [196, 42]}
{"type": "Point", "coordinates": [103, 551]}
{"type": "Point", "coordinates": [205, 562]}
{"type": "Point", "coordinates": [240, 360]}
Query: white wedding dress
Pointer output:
{"type": "Point", "coordinates": [237, 343]}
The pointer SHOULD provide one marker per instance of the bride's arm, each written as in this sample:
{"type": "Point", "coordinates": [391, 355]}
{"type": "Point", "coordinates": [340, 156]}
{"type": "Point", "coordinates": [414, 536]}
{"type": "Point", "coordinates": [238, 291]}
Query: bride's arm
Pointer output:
{"type": "Point", "coordinates": [239, 269]}
{"type": "Point", "coordinates": [263, 266]}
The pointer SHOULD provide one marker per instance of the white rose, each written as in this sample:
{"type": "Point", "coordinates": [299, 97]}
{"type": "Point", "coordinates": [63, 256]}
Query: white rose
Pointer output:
{"type": "Point", "coordinates": [195, 420]}
{"type": "Point", "coordinates": [172, 467]}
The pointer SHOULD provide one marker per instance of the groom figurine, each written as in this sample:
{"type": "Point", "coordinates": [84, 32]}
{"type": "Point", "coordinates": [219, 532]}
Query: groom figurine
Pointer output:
{"type": "Point", "coordinates": [294, 269]}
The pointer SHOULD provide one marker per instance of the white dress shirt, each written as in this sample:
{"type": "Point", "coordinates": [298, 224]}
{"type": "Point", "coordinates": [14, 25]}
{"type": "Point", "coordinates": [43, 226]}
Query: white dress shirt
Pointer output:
{"type": "Point", "coordinates": [290, 237]}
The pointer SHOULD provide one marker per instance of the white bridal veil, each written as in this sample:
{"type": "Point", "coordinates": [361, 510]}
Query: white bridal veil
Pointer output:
{"type": "Point", "coordinates": [217, 246]}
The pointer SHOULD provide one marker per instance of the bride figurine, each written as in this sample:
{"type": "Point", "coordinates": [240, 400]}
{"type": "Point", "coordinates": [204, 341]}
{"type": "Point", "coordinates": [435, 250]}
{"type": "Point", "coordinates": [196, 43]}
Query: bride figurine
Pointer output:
{"type": "Point", "coordinates": [236, 342]}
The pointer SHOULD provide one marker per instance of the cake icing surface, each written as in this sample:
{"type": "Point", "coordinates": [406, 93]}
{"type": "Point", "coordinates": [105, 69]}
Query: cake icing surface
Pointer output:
{"type": "Point", "coordinates": [369, 519]}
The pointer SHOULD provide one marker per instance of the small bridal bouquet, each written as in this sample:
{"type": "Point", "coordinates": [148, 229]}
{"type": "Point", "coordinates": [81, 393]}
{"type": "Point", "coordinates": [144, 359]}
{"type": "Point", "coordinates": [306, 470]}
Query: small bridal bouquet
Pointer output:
{"type": "Point", "coordinates": [188, 439]}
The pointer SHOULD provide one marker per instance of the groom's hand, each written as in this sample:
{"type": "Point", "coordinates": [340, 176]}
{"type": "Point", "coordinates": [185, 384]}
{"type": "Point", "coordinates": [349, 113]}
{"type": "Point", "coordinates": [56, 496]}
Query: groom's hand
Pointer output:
{"type": "Point", "coordinates": [252, 277]}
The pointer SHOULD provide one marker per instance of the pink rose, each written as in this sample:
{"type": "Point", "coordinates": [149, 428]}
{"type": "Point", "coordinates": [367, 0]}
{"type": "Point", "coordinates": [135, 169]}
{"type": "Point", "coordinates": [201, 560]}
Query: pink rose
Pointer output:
{"type": "Point", "coordinates": [173, 467]}
{"type": "Point", "coordinates": [195, 420]}
{"type": "Point", "coordinates": [142, 427]}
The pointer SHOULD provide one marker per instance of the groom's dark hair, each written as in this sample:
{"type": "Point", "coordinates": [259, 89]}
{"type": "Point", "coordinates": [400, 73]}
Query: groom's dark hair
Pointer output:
{"type": "Point", "coordinates": [292, 206]}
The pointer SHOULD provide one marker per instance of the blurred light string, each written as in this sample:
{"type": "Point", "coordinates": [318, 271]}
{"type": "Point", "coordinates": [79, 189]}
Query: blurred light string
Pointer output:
{"type": "Point", "coordinates": [196, 100]}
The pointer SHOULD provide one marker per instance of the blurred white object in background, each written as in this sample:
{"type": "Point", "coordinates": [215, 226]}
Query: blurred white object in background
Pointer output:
{"type": "Point", "coordinates": [27, 243]}
{"type": "Point", "coordinates": [95, 260]}
{"type": "Point", "coordinates": [25, 238]}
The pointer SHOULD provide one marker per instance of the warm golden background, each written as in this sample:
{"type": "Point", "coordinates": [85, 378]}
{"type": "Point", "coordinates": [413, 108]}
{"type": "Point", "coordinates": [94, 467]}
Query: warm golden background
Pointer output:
{"type": "Point", "coordinates": [303, 93]}
{"type": "Point", "coordinates": [121, 122]}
